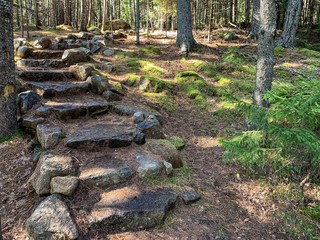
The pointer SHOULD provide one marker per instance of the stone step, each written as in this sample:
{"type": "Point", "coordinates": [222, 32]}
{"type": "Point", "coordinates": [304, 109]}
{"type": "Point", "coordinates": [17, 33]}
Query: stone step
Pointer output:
{"type": "Point", "coordinates": [52, 89]}
{"type": "Point", "coordinates": [131, 209]}
{"type": "Point", "coordinates": [45, 54]}
{"type": "Point", "coordinates": [42, 74]}
{"type": "Point", "coordinates": [74, 109]}
{"type": "Point", "coordinates": [41, 63]}
{"type": "Point", "coordinates": [100, 135]}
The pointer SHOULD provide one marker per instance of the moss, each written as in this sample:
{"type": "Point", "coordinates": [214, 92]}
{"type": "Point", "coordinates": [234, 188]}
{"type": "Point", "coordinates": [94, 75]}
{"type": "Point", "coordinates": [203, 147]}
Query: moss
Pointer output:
{"type": "Point", "coordinates": [150, 50]}
{"type": "Point", "coordinates": [18, 133]}
{"type": "Point", "coordinates": [195, 87]}
{"type": "Point", "coordinates": [163, 100]}
{"type": "Point", "coordinates": [117, 86]}
{"type": "Point", "coordinates": [209, 70]}
{"type": "Point", "coordinates": [153, 84]}
{"type": "Point", "coordinates": [309, 53]}
{"type": "Point", "coordinates": [279, 51]}
{"type": "Point", "coordinates": [178, 142]}
{"type": "Point", "coordinates": [152, 69]}
{"type": "Point", "coordinates": [132, 80]}
{"type": "Point", "coordinates": [232, 57]}
{"type": "Point", "coordinates": [123, 54]}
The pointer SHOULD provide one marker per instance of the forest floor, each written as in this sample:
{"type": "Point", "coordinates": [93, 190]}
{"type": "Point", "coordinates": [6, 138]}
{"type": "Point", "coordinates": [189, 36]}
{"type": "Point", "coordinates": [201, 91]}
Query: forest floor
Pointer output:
{"type": "Point", "coordinates": [235, 204]}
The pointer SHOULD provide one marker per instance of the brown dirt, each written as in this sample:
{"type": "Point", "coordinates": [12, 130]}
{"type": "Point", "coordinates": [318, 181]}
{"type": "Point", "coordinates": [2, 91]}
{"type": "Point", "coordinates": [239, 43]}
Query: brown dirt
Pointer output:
{"type": "Point", "coordinates": [232, 205]}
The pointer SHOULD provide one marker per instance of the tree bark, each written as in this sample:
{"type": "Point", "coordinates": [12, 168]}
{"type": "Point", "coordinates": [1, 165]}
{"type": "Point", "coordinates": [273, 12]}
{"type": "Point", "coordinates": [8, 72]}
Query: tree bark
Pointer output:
{"type": "Point", "coordinates": [288, 35]}
{"type": "Point", "coordinates": [83, 26]}
{"type": "Point", "coordinates": [255, 22]}
{"type": "Point", "coordinates": [265, 62]}
{"type": "Point", "coordinates": [137, 22]}
{"type": "Point", "coordinates": [185, 38]}
{"type": "Point", "coordinates": [8, 93]}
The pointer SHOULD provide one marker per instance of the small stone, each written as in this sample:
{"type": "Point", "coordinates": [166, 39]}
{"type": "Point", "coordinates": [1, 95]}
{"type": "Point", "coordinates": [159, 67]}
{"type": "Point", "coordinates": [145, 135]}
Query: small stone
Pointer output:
{"type": "Point", "coordinates": [138, 117]}
{"type": "Point", "coordinates": [48, 167]}
{"type": "Point", "coordinates": [85, 35]}
{"type": "Point", "coordinates": [51, 220]}
{"type": "Point", "coordinates": [189, 197]}
{"type": "Point", "coordinates": [48, 135]}
{"type": "Point", "coordinates": [107, 67]}
{"type": "Point", "coordinates": [151, 128]}
{"type": "Point", "coordinates": [26, 100]}
{"type": "Point", "coordinates": [148, 166]}
{"type": "Point", "coordinates": [81, 72]}
{"type": "Point", "coordinates": [42, 43]}
{"type": "Point", "coordinates": [30, 122]}
{"type": "Point", "coordinates": [64, 185]}
{"type": "Point", "coordinates": [72, 36]}
{"type": "Point", "coordinates": [94, 47]}
{"type": "Point", "coordinates": [168, 167]}
{"type": "Point", "coordinates": [18, 42]}
{"type": "Point", "coordinates": [139, 137]}
{"type": "Point", "coordinates": [110, 95]}
{"type": "Point", "coordinates": [108, 52]}
{"type": "Point", "coordinates": [24, 52]}
{"type": "Point", "coordinates": [98, 84]}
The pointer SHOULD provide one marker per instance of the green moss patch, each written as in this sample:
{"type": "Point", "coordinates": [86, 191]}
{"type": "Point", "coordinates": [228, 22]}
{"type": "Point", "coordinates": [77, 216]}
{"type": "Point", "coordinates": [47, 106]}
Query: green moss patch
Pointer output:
{"type": "Point", "coordinates": [150, 50]}
{"type": "Point", "coordinates": [163, 100]}
{"type": "Point", "coordinates": [153, 84]}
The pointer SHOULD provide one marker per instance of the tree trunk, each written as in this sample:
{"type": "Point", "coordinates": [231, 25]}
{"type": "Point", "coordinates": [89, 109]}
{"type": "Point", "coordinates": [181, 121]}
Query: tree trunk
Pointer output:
{"type": "Point", "coordinates": [185, 38]}
{"type": "Point", "coordinates": [8, 93]}
{"type": "Point", "coordinates": [104, 15]}
{"type": "Point", "coordinates": [288, 35]}
{"type": "Point", "coordinates": [137, 22]}
{"type": "Point", "coordinates": [36, 14]}
{"type": "Point", "coordinates": [21, 18]}
{"type": "Point", "coordinates": [255, 23]}
{"type": "Point", "coordinates": [265, 62]}
{"type": "Point", "coordinates": [83, 26]}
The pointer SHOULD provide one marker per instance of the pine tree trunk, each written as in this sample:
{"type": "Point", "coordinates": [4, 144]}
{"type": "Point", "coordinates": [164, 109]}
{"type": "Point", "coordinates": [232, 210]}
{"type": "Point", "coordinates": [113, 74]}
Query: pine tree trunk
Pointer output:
{"type": "Point", "coordinates": [137, 22]}
{"type": "Point", "coordinates": [265, 62]}
{"type": "Point", "coordinates": [255, 23]}
{"type": "Point", "coordinates": [8, 94]}
{"type": "Point", "coordinates": [185, 38]}
{"type": "Point", "coordinates": [288, 35]}
{"type": "Point", "coordinates": [83, 26]}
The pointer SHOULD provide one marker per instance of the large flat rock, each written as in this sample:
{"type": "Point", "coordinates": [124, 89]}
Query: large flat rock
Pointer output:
{"type": "Point", "coordinates": [71, 110]}
{"type": "Point", "coordinates": [42, 74]}
{"type": "Point", "coordinates": [46, 54]}
{"type": "Point", "coordinates": [100, 135]}
{"type": "Point", "coordinates": [131, 209]}
{"type": "Point", "coordinates": [41, 63]}
{"type": "Point", "coordinates": [52, 89]}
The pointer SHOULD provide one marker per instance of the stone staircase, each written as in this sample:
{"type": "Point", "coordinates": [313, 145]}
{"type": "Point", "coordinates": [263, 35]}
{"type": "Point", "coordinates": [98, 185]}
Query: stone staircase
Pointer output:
{"type": "Point", "coordinates": [91, 154]}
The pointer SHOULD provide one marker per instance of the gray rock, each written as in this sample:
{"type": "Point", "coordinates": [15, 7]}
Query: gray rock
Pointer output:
{"type": "Point", "coordinates": [98, 84]}
{"type": "Point", "coordinates": [139, 137]}
{"type": "Point", "coordinates": [107, 67]}
{"type": "Point", "coordinates": [131, 209]}
{"type": "Point", "coordinates": [106, 177]}
{"type": "Point", "coordinates": [49, 89]}
{"type": "Point", "coordinates": [26, 100]}
{"type": "Point", "coordinates": [41, 63]}
{"type": "Point", "coordinates": [168, 167]}
{"type": "Point", "coordinates": [108, 52]}
{"type": "Point", "coordinates": [51, 220]}
{"type": "Point", "coordinates": [64, 185]}
{"type": "Point", "coordinates": [72, 36]}
{"type": "Point", "coordinates": [96, 31]}
{"type": "Point", "coordinates": [18, 42]}
{"type": "Point", "coordinates": [85, 35]}
{"type": "Point", "coordinates": [42, 43]}
{"type": "Point", "coordinates": [189, 197]}
{"type": "Point", "coordinates": [151, 127]}
{"type": "Point", "coordinates": [148, 166]}
{"type": "Point", "coordinates": [48, 167]}
{"type": "Point", "coordinates": [48, 135]}
{"type": "Point", "coordinates": [110, 95]}
{"type": "Point", "coordinates": [24, 51]}
{"type": "Point", "coordinates": [94, 47]}
{"type": "Point", "coordinates": [81, 72]}
{"type": "Point", "coordinates": [100, 135]}
{"type": "Point", "coordinates": [138, 117]}
{"type": "Point", "coordinates": [166, 150]}
{"type": "Point", "coordinates": [75, 55]}
{"type": "Point", "coordinates": [30, 122]}
{"type": "Point", "coordinates": [39, 75]}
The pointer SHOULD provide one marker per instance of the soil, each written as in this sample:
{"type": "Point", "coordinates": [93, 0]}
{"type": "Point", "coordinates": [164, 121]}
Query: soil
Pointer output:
{"type": "Point", "coordinates": [233, 205]}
